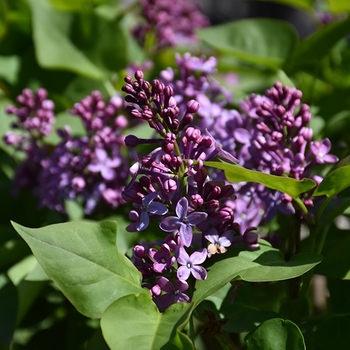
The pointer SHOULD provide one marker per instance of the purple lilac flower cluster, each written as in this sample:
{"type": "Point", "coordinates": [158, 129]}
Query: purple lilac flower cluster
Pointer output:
{"type": "Point", "coordinates": [272, 135]}
{"type": "Point", "coordinates": [90, 167]}
{"type": "Point", "coordinates": [35, 120]}
{"type": "Point", "coordinates": [170, 23]}
{"type": "Point", "coordinates": [171, 185]}
{"type": "Point", "coordinates": [193, 80]}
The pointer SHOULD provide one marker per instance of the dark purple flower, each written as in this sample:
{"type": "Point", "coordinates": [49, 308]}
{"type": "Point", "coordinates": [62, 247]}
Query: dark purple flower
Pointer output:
{"type": "Point", "coordinates": [183, 222]}
{"type": "Point", "coordinates": [173, 293]}
{"type": "Point", "coordinates": [162, 258]}
{"type": "Point", "coordinates": [190, 264]}
{"type": "Point", "coordinates": [150, 207]}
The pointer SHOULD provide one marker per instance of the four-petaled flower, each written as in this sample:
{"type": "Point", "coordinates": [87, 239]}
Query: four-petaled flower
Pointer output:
{"type": "Point", "coordinates": [174, 292]}
{"type": "Point", "coordinates": [218, 244]}
{"type": "Point", "coordinates": [183, 222]}
{"type": "Point", "coordinates": [190, 264]}
{"type": "Point", "coordinates": [148, 206]}
{"type": "Point", "coordinates": [162, 258]}
{"type": "Point", "coordinates": [320, 150]}
{"type": "Point", "coordinates": [104, 165]}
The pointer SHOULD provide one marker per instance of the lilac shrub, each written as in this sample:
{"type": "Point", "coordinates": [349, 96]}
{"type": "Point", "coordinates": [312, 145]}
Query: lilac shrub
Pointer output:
{"type": "Point", "coordinates": [170, 23]}
{"type": "Point", "coordinates": [92, 168]}
{"type": "Point", "coordinates": [170, 185]}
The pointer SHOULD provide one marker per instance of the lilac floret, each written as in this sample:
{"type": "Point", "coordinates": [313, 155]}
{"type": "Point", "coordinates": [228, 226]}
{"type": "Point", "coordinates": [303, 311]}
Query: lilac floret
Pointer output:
{"type": "Point", "coordinates": [183, 222]}
{"type": "Point", "coordinates": [150, 207]}
{"type": "Point", "coordinates": [173, 292]}
{"type": "Point", "coordinates": [218, 244]}
{"type": "Point", "coordinates": [191, 264]}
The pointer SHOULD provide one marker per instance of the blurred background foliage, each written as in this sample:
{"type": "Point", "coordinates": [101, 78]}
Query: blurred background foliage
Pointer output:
{"type": "Point", "coordinates": [72, 47]}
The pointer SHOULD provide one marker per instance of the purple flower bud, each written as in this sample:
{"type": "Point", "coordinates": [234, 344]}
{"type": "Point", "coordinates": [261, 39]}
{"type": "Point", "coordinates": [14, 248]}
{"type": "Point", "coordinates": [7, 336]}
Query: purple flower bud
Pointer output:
{"type": "Point", "coordinates": [192, 106]}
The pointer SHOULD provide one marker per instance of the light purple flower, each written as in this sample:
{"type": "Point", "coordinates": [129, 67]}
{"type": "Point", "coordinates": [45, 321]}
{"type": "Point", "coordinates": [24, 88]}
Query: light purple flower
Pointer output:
{"type": "Point", "coordinates": [320, 150]}
{"type": "Point", "coordinates": [148, 206]}
{"type": "Point", "coordinates": [190, 264]}
{"type": "Point", "coordinates": [218, 244]}
{"type": "Point", "coordinates": [183, 222]}
{"type": "Point", "coordinates": [174, 292]}
{"type": "Point", "coordinates": [104, 165]}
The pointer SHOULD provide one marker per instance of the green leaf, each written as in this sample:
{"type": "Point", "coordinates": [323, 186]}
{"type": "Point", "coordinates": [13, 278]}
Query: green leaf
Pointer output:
{"type": "Point", "coordinates": [276, 334]}
{"type": "Point", "coordinates": [54, 49]}
{"type": "Point", "coordinates": [334, 182]}
{"type": "Point", "coordinates": [309, 53]}
{"type": "Point", "coordinates": [101, 40]}
{"type": "Point", "coordinates": [8, 311]}
{"type": "Point", "coordinates": [134, 322]}
{"type": "Point", "coordinates": [259, 40]}
{"type": "Point", "coordinates": [235, 173]}
{"type": "Point", "coordinates": [259, 265]}
{"type": "Point", "coordinates": [9, 68]}
{"type": "Point", "coordinates": [83, 260]}
{"type": "Point", "coordinates": [339, 6]}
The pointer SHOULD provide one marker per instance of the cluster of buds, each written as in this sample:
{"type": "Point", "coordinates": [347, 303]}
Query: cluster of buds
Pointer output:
{"type": "Point", "coordinates": [171, 185]}
{"type": "Point", "coordinates": [170, 24]}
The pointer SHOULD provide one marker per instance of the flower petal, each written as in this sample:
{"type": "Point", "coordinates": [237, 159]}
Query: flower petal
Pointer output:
{"type": "Point", "coordinates": [182, 208]}
{"type": "Point", "coordinates": [170, 224]}
{"type": "Point", "coordinates": [196, 218]}
{"type": "Point", "coordinates": [183, 273]}
{"type": "Point", "coordinates": [198, 256]}
{"type": "Point", "coordinates": [186, 234]}
{"type": "Point", "coordinates": [165, 284]}
{"type": "Point", "coordinates": [144, 221]}
{"type": "Point", "coordinates": [157, 208]}
{"type": "Point", "coordinates": [182, 256]}
{"type": "Point", "coordinates": [199, 272]}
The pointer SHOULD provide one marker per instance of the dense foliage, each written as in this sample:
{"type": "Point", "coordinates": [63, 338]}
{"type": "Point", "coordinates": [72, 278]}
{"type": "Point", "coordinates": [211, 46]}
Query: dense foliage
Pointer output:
{"type": "Point", "coordinates": [171, 184]}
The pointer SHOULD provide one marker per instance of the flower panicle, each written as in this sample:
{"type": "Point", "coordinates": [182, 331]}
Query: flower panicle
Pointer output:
{"type": "Point", "coordinates": [171, 186]}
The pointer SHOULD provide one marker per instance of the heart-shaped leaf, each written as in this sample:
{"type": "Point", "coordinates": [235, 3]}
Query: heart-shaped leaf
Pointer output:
{"type": "Point", "coordinates": [276, 334]}
{"type": "Point", "coordinates": [134, 322]}
{"type": "Point", "coordinates": [83, 260]}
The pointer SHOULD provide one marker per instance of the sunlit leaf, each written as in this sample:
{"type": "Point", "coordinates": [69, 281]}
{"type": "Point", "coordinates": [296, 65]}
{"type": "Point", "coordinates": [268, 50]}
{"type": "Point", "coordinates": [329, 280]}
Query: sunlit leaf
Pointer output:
{"type": "Point", "coordinates": [53, 48]}
{"type": "Point", "coordinates": [134, 322]}
{"type": "Point", "coordinates": [316, 46]}
{"type": "Point", "coordinates": [83, 260]}
{"type": "Point", "coordinates": [258, 40]}
{"type": "Point", "coordinates": [339, 6]}
{"type": "Point", "coordinates": [258, 265]}
{"type": "Point", "coordinates": [334, 182]}
{"type": "Point", "coordinates": [235, 173]}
